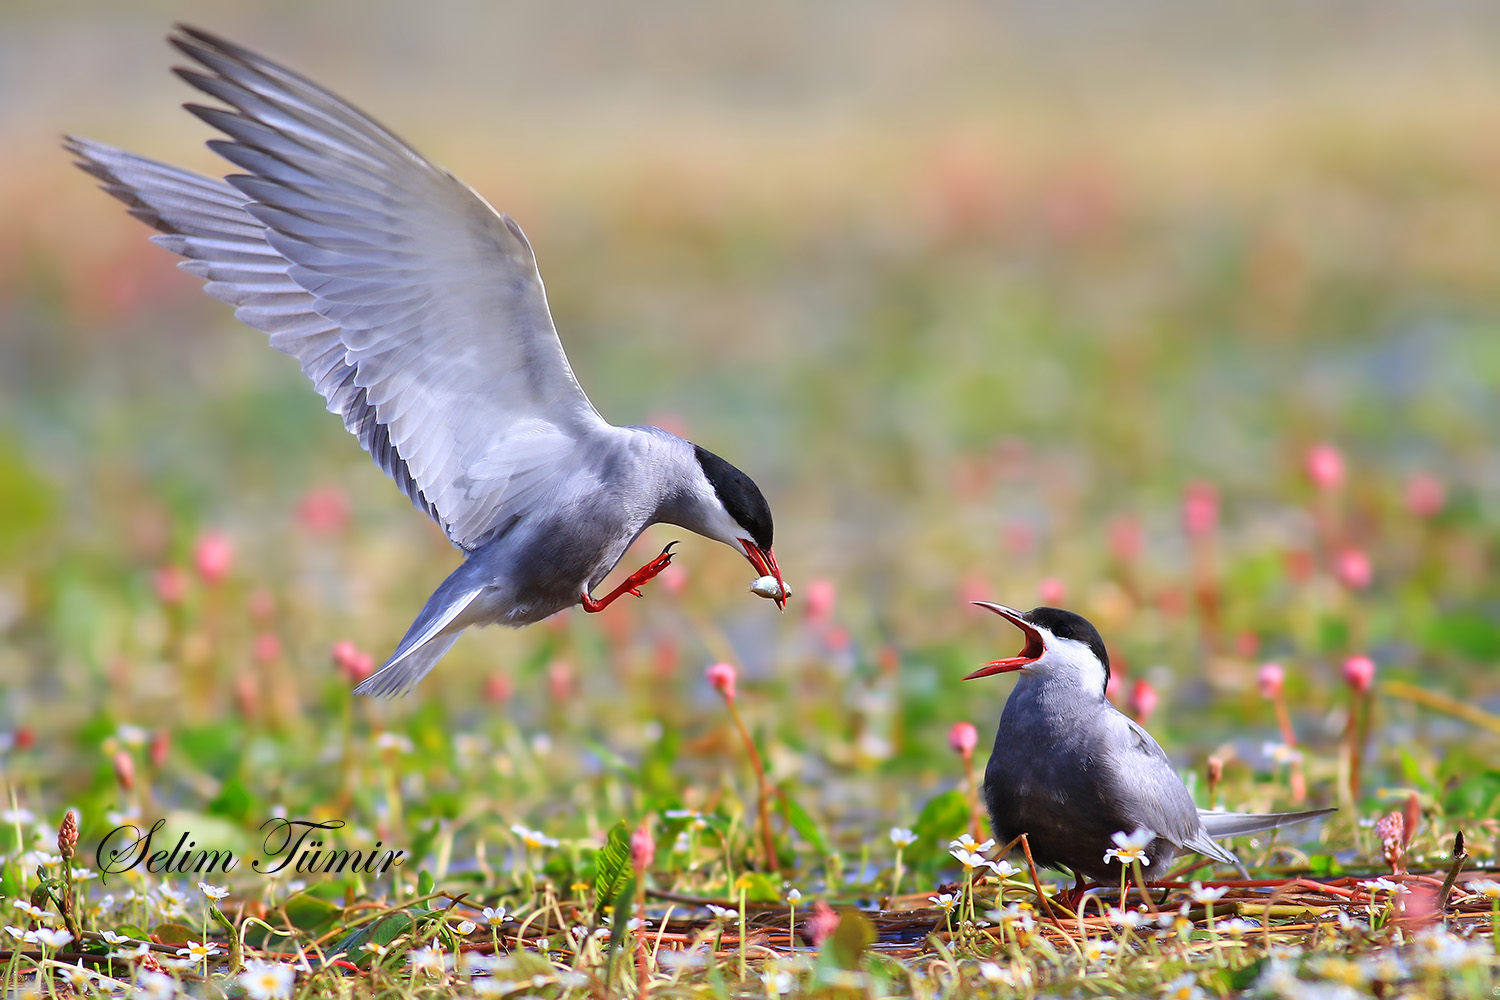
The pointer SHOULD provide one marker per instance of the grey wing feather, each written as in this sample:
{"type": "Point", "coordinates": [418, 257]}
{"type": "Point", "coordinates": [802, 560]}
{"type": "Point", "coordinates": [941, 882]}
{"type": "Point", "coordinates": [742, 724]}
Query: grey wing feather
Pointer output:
{"type": "Point", "coordinates": [206, 222]}
{"type": "Point", "coordinates": [415, 308]}
{"type": "Point", "coordinates": [1227, 824]}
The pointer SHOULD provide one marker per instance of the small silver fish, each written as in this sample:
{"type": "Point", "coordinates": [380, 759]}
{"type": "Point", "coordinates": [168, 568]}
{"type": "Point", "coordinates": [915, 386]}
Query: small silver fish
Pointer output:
{"type": "Point", "coordinates": [769, 588]}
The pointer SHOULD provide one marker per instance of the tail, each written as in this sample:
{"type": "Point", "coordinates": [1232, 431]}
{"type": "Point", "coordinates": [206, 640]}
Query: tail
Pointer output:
{"type": "Point", "coordinates": [436, 629]}
{"type": "Point", "coordinates": [1227, 824]}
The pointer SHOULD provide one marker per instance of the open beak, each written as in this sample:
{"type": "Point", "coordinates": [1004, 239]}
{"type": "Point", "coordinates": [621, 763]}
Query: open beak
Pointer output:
{"type": "Point", "coordinates": [764, 561]}
{"type": "Point", "coordinates": [1032, 651]}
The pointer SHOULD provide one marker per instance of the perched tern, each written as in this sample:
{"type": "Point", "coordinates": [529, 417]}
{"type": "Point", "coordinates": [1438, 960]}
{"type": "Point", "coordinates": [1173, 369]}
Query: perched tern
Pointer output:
{"type": "Point", "coordinates": [417, 311]}
{"type": "Point", "coordinates": [1070, 771]}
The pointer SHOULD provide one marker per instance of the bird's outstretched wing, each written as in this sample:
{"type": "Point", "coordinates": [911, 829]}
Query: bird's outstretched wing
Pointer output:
{"type": "Point", "coordinates": [413, 306]}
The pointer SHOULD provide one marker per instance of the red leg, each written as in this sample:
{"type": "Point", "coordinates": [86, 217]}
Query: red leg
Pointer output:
{"type": "Point", "coordinates": [632, 583]}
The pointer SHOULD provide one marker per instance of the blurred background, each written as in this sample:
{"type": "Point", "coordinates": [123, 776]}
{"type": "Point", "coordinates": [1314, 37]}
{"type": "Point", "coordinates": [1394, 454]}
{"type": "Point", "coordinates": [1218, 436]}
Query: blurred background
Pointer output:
{"type": "Point", "coordinates": [1182, 316]}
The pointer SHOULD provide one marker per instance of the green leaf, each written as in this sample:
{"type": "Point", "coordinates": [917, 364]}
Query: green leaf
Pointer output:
{"type": "Point", "coordinates": [234, 801]}
{"type": "Point", "coordinates": [803, 823]}
{"type": "Point", "coordinates": [311, 914]}
{"type": "Point", "coordinates": [944, 818]}
{"type": "Point", "coordinates": [761, 887]}
{"type": "Point", "coordinates": [426, 885]}
{"type": "Point", "coordinates": [612, 866]}
{"type": "Point", "coordinates": [1474, 797]}
{"type": "Point", "coordinates": [174, 934]}
{"type": "Point", "coordinates": [624, 902]}
{"type": "Point", "coordinates": [850, 940]}
{"type": "Point", "coordinates": [1324, 866]}
{"type": "Point", "coordinates": [381, 932]}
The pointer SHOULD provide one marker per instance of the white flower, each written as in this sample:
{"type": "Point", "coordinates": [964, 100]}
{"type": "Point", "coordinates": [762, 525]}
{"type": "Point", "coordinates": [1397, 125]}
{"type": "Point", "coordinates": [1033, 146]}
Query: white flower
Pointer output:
{"type": "Point", "coordinates": [1130, 847]}
{"type": "Point", "coordinates": [1486, 888]}
{"type": "Point", "coordinates": [83, 874]}
{"type": "Point", "coordinates": [428, 960]}
{"type": "Point", "coordinates": [155, 986]}
{"type": "Point", "coordinates": [467, 927]}
{"type": "Point", "coordinates": [722, 914]}
{"type": "Point", "coordinates": [533, 839]}
{"type": "Point", "coordinates": [15, 932]}
{"type": "Point", "coordinates": [131, 736]}
{"type": "Point", "coordinates": [1184, 987]}
{"type": "Point", "coordinates": [267, 980]}
{"type": "Point", "coordinates": [199, 951]}
{"type": "Point", "coordinates": [1176, 922]}
{"type": "Point", "coordinates": [945, 901]}
{"type": "Point", "coordinates": [212, 891]}
{"type": "Point", "coordinates": [33, 858]}
{"type": "Point", "coordinates": [1022, 915]}
{"type": "Point", "coordinates": [50, 938]}
{"type": "Point", "coordinates": [990, 972]}
{"type": "Point", "coordinates": [79, 977]}
{"type": "Point", "coordinates": [968, 859]}
{"type": "Point", "coordinates": [393, 741]}
{"type": "Point", "coordinates": [18, 817]}
{"type": "Point", "coordinates": [1004, 868]}
{"type": "Point", "coordinates": [1236, 927]}
{"type": "Point", "coordinates": [110, 937]}
{"type": "Point", "coordinates": [1375, 885]}
{"type": "Point", "coordinates": [1124, 918]}
{"type": "Point", "coordinates": [902, 837]}
{"type": "Point", "coordinates": [967, 843]}
{"type": "Point", "coordinates": [494, 916]}
{"type": "Point", "coordinates": [1096, 949]}
{"type": "Point", "coordinates": [1441, 950]}
{"type": "Point", "coordinates": [375, 948]}
{"type": "Point", "coordinates": [1280, 753]}
{"type": "Point", "coordinates": [778, 982]}
{"type": "Point", "coordinates": [140, 951]}
{"type": "Point", "coordinates": [1203, 896]}
{"type": "Point", "coordinates": [794, 896]}
{"type": "Point", "coordinates": [34, 912]}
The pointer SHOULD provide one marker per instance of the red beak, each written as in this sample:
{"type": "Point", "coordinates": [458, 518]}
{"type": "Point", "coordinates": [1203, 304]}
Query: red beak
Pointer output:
{"type": "Point", "coordinates": [764, 561]}
{"type": "Point", "coordinates": [1030, 654]}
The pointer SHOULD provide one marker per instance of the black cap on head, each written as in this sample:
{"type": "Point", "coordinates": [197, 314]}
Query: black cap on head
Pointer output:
{"type": "Point", "coordinates": [1067, 625]}
{"type": "Point", "coordinates": [739, 495]}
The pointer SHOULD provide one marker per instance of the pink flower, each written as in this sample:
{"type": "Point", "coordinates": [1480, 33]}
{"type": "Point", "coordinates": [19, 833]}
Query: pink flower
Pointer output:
{"type": "Point", "coordinates": [963, 737]}
{"type": "Point", "coordinates": [1126, 538]}
{"type": "Point", "coordinates": [161, 742]}
{"type": "Point", "coordinates": [353, 664]}
{"type": "Point", "coordinates": [324, 510]}
{"type": "Point", "coordinates": [171, 585]}
{"type": "Point", "coordinates": [1200, 508]}
{"type": "Point", "coordinates": [262, 605]}
{"type": "Point", "coordinates": [1325, 466]}
{"type": "Point", "coordinates": [819, 598]}
{"type": "Point", "coordinates": [560, 681]}
{"type": "Point", "coordinates": [1359, 672]}
{"type": "Point", "coordinates": [1143, 700]}
{"type": "Point", "coordinates": [674, 578]}
{"type": "Point", "coordinates": [124, 770]}
{"type": "Point", "coordinates": [266, 648]}
{"type": "Point", "coordinates": [1353, 568]}
{"type": "Point", "coordinates": [721, 676]}
{"type": "Point", "coordinates": [823, 922]}
{"type": "Point", "coordinates": [1272, 679]}
{"type": "Point", "coordinates": [1052, 592]}
{"type": "Point", "coordinates": [213, 556]}
{"type": "Point", "coordinates": [1425, 495]}
{"type": "Point", "coordinates": [498, 689]}
{"type": "Point", "coordinates": [1018, 537]}
{"type": "Point", "coordinates": [642, 847]}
